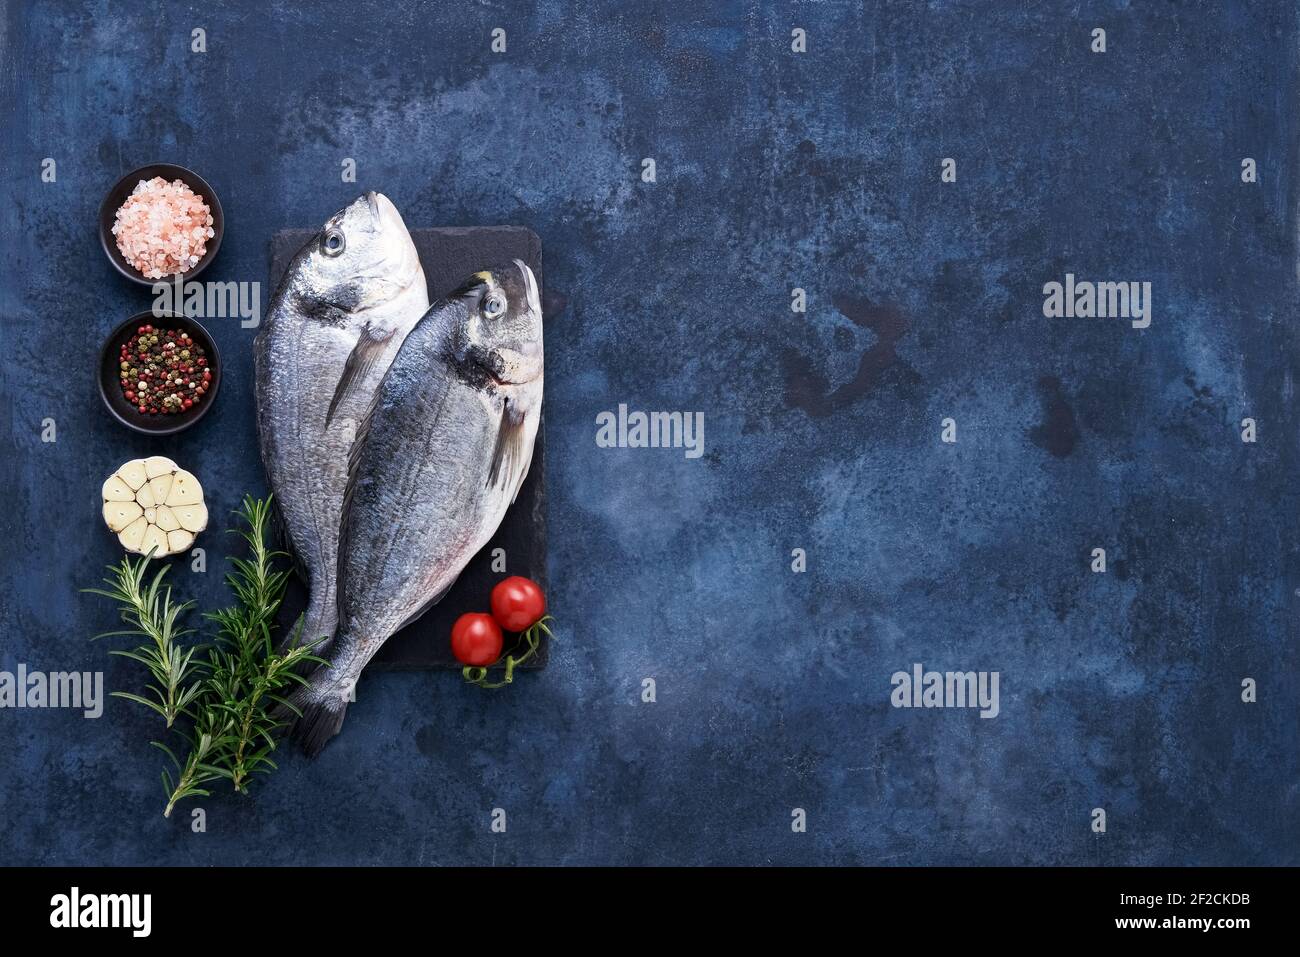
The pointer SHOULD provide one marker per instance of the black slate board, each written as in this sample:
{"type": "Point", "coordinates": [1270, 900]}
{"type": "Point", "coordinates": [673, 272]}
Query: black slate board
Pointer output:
{"type": "Point", "coordinates": [449, 255]}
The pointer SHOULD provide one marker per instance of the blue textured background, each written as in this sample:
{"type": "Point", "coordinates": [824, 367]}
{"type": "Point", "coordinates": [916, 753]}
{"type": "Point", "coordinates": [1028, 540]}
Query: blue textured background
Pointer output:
{"type": "Point", "coordinates": [775, 170]}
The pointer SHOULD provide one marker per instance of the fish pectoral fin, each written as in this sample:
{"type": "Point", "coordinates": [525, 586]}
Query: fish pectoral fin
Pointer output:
{"type": "Point", "coordinates": [508, 463]}
{"type": "Point", "coordinates": [360, 361]}
{"type": "Point", "coordinates": [523, 477]}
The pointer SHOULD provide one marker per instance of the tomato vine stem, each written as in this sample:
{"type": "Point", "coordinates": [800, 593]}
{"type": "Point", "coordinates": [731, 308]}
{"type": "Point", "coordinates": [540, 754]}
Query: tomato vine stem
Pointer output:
{"type": "Point", "coordinates": [478, 675]}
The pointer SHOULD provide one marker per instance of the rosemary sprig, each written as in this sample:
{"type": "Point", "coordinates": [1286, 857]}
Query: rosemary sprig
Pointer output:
{"type": "Point", "coordinates": [151, 614]}
{"type": "Point", "coordinates": [532, 638]}
{"type": "Point", "coordinates": [230, 733]}
{"type": "Point", "coordinates": [210, 731]}
{"type": "Point", "coordinates": [246, 672]}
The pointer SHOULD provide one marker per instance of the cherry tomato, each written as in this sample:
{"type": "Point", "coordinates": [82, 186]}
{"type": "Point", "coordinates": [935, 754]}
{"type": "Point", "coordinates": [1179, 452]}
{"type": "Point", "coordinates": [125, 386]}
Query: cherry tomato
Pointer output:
{"type": "Point", "coordinates": [517, 603]}
{"type": "Point", "coordinates": [476, 639]}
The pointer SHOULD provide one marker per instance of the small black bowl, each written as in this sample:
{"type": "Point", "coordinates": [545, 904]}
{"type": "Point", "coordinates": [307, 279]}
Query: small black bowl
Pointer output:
{"type": "Point", "coordinates": [123, 188]}
{"type": "Point", "coordinates": [110, 383]}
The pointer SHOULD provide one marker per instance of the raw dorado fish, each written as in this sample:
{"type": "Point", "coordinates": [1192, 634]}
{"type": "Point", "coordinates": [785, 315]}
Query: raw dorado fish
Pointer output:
{"type": "Point", "coordinates": [437, 462]}
{"type": "Point", "coordinates": [348, 300]}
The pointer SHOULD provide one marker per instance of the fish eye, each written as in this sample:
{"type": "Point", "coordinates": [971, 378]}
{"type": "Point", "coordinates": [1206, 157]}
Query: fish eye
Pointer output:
{"type": "Point", "coordinates": [494, 306]}
{"type": "Point", "coordinates": [332, 243]}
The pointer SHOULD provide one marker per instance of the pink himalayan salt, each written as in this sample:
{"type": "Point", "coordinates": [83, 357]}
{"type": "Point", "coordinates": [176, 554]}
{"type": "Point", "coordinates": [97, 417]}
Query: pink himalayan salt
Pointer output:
{"type": "Point", "coordinates": [163, 228]}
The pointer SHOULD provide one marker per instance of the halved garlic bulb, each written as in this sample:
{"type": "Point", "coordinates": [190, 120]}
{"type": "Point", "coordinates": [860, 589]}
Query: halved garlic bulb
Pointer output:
{"type": "Point", "coordinates": [154, 506]}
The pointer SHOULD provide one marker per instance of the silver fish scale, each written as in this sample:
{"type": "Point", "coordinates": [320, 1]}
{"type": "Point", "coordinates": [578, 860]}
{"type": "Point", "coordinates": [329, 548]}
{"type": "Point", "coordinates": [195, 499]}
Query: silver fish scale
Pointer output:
{"type": "Point", "coordinates": [298, 363]}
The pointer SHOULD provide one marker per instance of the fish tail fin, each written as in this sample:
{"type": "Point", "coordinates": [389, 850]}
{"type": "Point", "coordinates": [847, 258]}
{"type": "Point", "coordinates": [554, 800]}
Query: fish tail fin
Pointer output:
{"type": "Point", "coordinates": [323, 704]}
{"type": "Point", "coordinates": [320, 721]}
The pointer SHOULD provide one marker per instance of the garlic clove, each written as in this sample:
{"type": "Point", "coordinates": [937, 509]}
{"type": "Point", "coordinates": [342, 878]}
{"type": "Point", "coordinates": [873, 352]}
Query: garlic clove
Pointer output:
{"type": "Point", "coordinates": [115, 490]}
{"type": "Point", "coordinates": [133, 474]}
{"type": "Point", "coordinates": [133, 534]}
{"type": "Point", "coordinates": [157, 465]}
{"type": "Point", "coordinates": [185, 490]}
{"type": "Point", "coordinates": [118, 515]}
{"type": "Point", "coordinates": [179, 540]}
{"type": "Point", "coordinates": [155, 540]}
{"type": "Point", "coordinates": [145, 496]}
{"type": "Point", "coordinates": [164, 518]}
{"type": "Point", "coordinates": [192, 517]}
{"type": "Point", "coordinates": [162, 485]}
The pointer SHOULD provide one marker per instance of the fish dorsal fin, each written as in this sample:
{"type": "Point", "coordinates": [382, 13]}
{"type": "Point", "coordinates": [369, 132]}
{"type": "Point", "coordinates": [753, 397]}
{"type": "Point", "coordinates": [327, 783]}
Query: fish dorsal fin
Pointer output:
{"type": "Point", "coordinates": [360, 361]}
